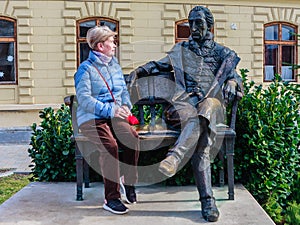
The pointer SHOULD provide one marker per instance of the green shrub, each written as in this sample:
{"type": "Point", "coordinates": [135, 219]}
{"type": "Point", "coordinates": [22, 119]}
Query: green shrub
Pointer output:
{"type": "Point", "coordinates": [295, 196]}
{"type": "Point", "coordinates": [52, 150]}
{"type": "Point", "coordinates": [274, 209]}
{"type": "Point", "coordinates": [268, 137]}
{"type": "Point", "coordinates": [293, 214]}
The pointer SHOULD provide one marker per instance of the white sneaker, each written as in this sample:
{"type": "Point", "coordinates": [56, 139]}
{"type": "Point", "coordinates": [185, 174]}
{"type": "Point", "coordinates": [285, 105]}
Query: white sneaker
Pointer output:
{"type": "Point", "coordinates": [127, 192]}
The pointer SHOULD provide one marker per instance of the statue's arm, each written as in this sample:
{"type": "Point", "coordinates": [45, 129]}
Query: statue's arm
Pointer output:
{"type": "Point", "coordinates": [233, 85]}
{"type": "Point", "coordinates": [152, 67]}
{"type": "Point", "coordinates": [155, 67]}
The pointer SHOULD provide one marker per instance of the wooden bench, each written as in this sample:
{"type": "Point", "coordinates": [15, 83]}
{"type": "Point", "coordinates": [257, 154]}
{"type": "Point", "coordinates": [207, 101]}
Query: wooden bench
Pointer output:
{"type": "Point", "coordinates": [154, 91]}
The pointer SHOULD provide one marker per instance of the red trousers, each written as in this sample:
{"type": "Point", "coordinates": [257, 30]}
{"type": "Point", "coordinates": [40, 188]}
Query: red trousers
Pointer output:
{"type": "Point", "coordinates": [109, 136]}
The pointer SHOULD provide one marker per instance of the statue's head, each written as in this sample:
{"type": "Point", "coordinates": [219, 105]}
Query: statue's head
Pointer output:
{"type": "Point", "coordinates": [201, 21]}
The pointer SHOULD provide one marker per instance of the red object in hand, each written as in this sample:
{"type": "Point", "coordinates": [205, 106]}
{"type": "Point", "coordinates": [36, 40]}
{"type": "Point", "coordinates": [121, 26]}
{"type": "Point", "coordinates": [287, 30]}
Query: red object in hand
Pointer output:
{"type": "Point", "coordinates": [132, 120]}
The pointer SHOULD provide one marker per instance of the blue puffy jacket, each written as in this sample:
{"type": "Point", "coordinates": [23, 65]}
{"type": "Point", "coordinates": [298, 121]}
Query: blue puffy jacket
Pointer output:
{"type": "Point", "coordinates": [94, 98]}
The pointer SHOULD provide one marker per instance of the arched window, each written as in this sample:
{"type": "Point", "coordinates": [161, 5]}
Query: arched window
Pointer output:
{"type": "Point", "coordinates": [280, 50]}
{"type": "Point", "coordinates": [182, 30]}
{"type": "Point", "coordinates": [83, 26]}
{"type": "Point", "coordinates": [8, 53]}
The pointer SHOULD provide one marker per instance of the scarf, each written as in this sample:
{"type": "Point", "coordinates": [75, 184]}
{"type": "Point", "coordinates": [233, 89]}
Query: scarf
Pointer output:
{"type": "Point", "coordinates": [104, 58]}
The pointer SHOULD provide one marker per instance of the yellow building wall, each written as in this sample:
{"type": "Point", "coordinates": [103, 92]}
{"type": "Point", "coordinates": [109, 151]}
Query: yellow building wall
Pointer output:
{"type": "Point", "coordinates": [46, 36]}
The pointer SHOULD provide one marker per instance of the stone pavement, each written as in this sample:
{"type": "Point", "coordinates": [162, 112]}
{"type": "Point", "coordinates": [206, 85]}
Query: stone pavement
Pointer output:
{"type": "Point", "coordinates": [46, 203]}
{"type": "Point", "coordinates": [14, 159]}
{"type": "Point", "coordinates": [14, 143]}
{"type": "Point", "coordinates": [54, 203]}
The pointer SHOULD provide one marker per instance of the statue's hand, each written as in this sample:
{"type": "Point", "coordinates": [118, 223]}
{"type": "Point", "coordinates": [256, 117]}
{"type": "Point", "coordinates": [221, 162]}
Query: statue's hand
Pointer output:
{"type": "Point", "coordinates": [230, 91]}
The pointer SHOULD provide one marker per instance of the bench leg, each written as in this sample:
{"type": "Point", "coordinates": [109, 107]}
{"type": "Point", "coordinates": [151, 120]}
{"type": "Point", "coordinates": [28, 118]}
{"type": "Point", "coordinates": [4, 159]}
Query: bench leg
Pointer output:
{"type": "Point", "coordinates": [230, 166]}
{"type": "Point", "coordinates": [79, 173]}
{"type": "Point", "coordinates": [86, 174]}
{"type": "Point", "coordinates": [221, 171]}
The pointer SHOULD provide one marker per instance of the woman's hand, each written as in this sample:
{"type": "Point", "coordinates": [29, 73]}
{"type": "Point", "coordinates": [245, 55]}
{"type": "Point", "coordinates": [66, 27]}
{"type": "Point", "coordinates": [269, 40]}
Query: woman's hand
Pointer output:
{"type": "Point", "coordinates": [122, 112]}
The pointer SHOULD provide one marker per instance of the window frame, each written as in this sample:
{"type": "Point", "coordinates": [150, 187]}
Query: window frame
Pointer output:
{"type": "Point", "coordinates": [80, 40]}
{"type": "Point", "coordinates": [12, 39]}
{"type": "Point", "coordinates": [280, 43]}
{"type": "Point", "coordinates": [177, 23]}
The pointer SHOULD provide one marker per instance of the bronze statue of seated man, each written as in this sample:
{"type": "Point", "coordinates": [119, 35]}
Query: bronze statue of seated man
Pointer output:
{"type": "Point", "coordinates": [206, 80]}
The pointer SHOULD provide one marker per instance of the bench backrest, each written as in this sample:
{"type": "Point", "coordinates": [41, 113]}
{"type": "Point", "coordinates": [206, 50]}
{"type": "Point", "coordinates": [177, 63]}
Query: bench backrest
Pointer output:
{"type": "Point", "coordinates": [158, 89]}
{"type": "Point", "coordinates": [150, 92]}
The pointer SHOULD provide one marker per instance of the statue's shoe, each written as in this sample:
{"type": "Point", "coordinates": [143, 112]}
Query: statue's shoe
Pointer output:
{"type": "Point", "coordinates": [169, 165]}
{"type": "Point", "coordinates": [210, 211]}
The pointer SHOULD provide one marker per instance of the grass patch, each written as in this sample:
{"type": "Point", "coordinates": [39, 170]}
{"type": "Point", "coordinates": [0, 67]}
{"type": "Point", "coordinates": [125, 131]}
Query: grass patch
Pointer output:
{"type": "Point", "coordinates": [9, 185]}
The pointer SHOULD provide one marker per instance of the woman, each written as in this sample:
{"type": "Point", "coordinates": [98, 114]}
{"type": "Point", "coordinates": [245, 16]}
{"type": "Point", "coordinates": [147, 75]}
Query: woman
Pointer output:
{"type": "Point", "coordinates": [103, 107]}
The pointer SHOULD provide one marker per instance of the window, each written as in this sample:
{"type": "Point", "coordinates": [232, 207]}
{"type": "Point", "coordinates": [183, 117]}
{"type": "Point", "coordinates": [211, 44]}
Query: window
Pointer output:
{"type": "Point", "coordinates": [182, 30]}
{"type": "Point", "coordinates": [280, 44]}
{"type": "Point", "coordinates": [83, 26]}
{"type": "Point", "coordinates": [8, 54]}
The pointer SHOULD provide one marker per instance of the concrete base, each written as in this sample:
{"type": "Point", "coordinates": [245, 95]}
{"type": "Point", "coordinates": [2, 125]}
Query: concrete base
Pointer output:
{"type": "Point", "coordinates": [54, 203]}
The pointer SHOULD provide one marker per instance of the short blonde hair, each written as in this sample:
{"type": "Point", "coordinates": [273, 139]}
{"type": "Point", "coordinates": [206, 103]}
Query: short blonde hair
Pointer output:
{"type": "Point", "coordinates": [98, 34]}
